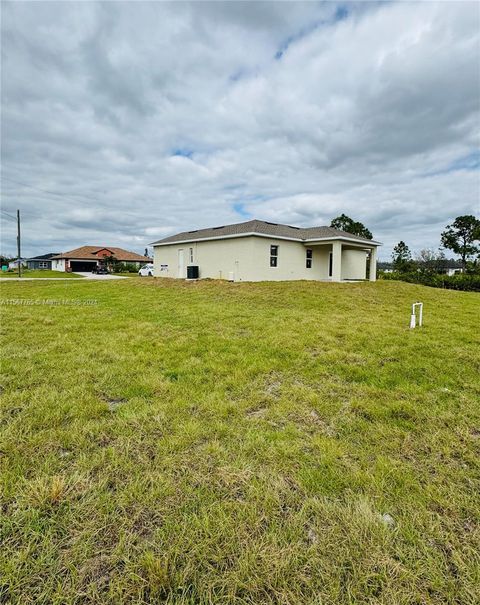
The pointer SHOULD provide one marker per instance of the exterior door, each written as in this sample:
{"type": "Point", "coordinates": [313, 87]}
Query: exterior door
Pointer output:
{"type": "Point", "coordinates": [181, 263]}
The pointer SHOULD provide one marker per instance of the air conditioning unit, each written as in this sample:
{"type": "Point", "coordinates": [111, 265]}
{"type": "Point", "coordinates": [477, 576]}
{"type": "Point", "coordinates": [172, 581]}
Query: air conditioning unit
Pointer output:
{"type": "Point", "coordinates": [192, 272]}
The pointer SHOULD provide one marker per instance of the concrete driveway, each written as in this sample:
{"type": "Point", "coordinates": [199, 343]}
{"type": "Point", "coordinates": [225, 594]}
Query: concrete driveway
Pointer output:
{"type": "Point", "coordinates": [88, 276]}
{"type": "Point", "coordinates": [101, 277]}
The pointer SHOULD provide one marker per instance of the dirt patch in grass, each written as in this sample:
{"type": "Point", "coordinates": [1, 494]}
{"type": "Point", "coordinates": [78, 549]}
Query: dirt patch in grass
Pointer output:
{"type": "Point", "coordinates": [113, 402]}
{"type": "Point", "coordinates": [258, 413]}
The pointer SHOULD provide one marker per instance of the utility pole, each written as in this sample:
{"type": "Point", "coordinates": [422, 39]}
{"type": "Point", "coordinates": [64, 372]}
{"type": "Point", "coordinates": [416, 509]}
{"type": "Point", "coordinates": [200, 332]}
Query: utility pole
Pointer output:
{"type": "Point", "coordinates": [18, 245]}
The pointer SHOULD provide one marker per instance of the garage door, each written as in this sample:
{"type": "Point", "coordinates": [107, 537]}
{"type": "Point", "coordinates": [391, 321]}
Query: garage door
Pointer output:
{"type": "Point", "coordinates": [82, 265]}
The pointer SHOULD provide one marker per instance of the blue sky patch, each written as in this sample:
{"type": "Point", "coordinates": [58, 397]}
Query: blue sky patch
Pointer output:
{"type": "Point", "coordinates": [183, 153]}
{"type": "Point", "coordinates": [239, 209]}
{"type": "Point", "coordinates": [340, 15]}
{"type": "Point", "coordinates": [469, 163]}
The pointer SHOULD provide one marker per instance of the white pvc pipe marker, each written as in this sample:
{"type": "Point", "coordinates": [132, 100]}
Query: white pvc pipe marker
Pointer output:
{"type": "Point", "coordinates": [413, 316]}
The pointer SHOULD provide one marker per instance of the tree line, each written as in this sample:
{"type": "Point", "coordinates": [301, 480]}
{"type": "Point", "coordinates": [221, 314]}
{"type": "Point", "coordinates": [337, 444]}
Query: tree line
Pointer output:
{"type": "Point", "coordinates": [460, 237]}
{"type": "Point", "coordinates": [429, 267]}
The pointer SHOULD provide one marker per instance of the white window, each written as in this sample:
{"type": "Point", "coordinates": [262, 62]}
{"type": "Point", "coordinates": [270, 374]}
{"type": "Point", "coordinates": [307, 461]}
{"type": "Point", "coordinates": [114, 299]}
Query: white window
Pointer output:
{"type": "Point", "coordinates": [309, 258]}
{"type": "Point", "coordinates": [43, 265]}
{"type": "Point", "coordinates": [273, 256]}
{"type": "Point", "coordinates": [191, 255]}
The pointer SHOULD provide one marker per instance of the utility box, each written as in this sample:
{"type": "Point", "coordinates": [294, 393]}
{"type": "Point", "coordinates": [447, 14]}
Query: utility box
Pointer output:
{"type": "Point", "coordinates": [192, 272]}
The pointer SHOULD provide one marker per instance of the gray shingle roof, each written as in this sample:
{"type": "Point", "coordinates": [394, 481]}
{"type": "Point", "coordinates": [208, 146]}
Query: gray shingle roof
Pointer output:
{"type": "Point", "coordinates": [44, 256]}
{"type": "Point", "coordinates": [263, 228]}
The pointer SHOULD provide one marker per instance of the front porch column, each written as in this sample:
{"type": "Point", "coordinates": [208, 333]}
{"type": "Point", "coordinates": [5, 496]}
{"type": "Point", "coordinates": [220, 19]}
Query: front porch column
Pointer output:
{"type": "Point", "coordinates": [373, 264]}
{"type": "Point", "coordinates": [336, 261]}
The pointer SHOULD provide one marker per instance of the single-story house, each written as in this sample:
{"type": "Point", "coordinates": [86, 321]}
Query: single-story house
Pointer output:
{"type": "Point", "coordinates": [263, 251]}
{"type": "Point", "coordinates": [13, 264]}
{"type": "Point", "coordinates": [88, 258]}
{"type": "Point", "coordinates": [43, 261]}
{"type": "Point", "coordinates": [452, 270]}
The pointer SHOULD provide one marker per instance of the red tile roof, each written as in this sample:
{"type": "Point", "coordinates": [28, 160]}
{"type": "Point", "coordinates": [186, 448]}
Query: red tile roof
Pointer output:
{"type": "Point", "coordinates": [91, 253]}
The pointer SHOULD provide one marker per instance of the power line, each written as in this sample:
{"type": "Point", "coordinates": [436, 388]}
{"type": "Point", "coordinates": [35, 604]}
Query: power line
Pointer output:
{"type": "Point", "coordinates": [32, 187]}
{"type": "Point", "coordinates": [63, 196]}
{"type": "Point", "coordinates": [9, 215]}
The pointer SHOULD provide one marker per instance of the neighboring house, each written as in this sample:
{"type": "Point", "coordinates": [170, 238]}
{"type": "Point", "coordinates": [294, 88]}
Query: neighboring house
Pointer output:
{"type": "Point", "coordinates": [263, 251]}
{"type": "Point", "coordinates": [88, 258]}
{"type": "Point", "coordinates": [452, 270]}
{"type": "Point", "coordinates": [43, 261]}
{"type": "Point", "coordinates": [14, 263]}
{"type": "Point", "coordinates": [385, 266]}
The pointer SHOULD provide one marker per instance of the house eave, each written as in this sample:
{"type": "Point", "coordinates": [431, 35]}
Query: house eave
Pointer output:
{"type": "Point", "coordinates": [362, 242]}
{"type": "Point", "coordinates": [366, 243]}
{"type": "Point", "coordinates": [233, 236]}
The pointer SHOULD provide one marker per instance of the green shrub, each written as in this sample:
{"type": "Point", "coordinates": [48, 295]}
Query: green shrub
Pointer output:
{"type": "Point", "coordinates": [460, 281]}
{"type": "Point", "coordinates": [125, 268]}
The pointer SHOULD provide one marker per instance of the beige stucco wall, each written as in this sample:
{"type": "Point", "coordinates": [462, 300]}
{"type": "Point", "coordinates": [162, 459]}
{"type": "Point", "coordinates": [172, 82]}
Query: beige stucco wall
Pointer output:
{"type": "Point", "coordinates": [58, 264]}
{"type": "Point", "coordinates": [216, 259]}
{"type": "Point", "coordinates": [248, 259]}
{"type": "Point", "coordinates": [354, 264]}
{"type": "Point", "coordinates": [291, 261]}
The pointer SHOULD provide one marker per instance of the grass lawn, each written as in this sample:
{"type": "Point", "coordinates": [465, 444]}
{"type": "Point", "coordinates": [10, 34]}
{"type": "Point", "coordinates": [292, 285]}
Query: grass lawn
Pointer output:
{"type": "Point", "coordinates": [40, 273]}
{"type": "Point", "coordinates": [204, 442]}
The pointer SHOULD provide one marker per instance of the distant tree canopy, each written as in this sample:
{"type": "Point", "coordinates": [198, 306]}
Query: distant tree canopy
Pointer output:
{"type": "Point", "coordinates": [461, 235]}
{"type": "Point", "coordinates": [402, 257]}
{"type": "Point", "coordinates": [345, 223]}
{"type": "Point", "coordinates": [4, 260]}
{"type": "Point", "coordinates": [429, 261]}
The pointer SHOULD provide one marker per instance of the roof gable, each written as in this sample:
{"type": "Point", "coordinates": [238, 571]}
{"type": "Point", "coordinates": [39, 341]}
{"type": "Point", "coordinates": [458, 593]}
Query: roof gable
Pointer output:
{"type": "Point", "coordinates": [103, 252]}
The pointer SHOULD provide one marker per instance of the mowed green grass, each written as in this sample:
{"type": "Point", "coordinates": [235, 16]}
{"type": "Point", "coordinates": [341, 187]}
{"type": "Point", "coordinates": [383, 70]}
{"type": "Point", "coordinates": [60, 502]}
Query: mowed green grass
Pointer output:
{"type": "Point", "coordinates": [39, 273]}
{"type": "Point", "coordinates": [205, 442]}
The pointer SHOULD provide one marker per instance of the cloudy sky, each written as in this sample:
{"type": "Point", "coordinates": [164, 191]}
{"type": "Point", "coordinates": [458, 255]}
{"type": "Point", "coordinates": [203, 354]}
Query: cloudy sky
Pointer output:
{"type": "Point", "coordinates": [125, 122]}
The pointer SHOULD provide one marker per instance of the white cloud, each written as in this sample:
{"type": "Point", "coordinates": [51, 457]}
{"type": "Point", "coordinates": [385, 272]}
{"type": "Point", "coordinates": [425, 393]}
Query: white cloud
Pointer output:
{"type": "Point", "coordinates": [147, 118]}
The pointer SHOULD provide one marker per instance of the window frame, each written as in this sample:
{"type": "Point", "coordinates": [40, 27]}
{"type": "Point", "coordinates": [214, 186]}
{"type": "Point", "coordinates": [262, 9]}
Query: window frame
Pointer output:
{"type": "Point", "coordinates": [190, 255]}
{"type": "Point", "coordinates": [274, 255]}
{"type": "Point", "coordinates": [308, 258]}
{"type": "Point", "coordinates": [43, 264]}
